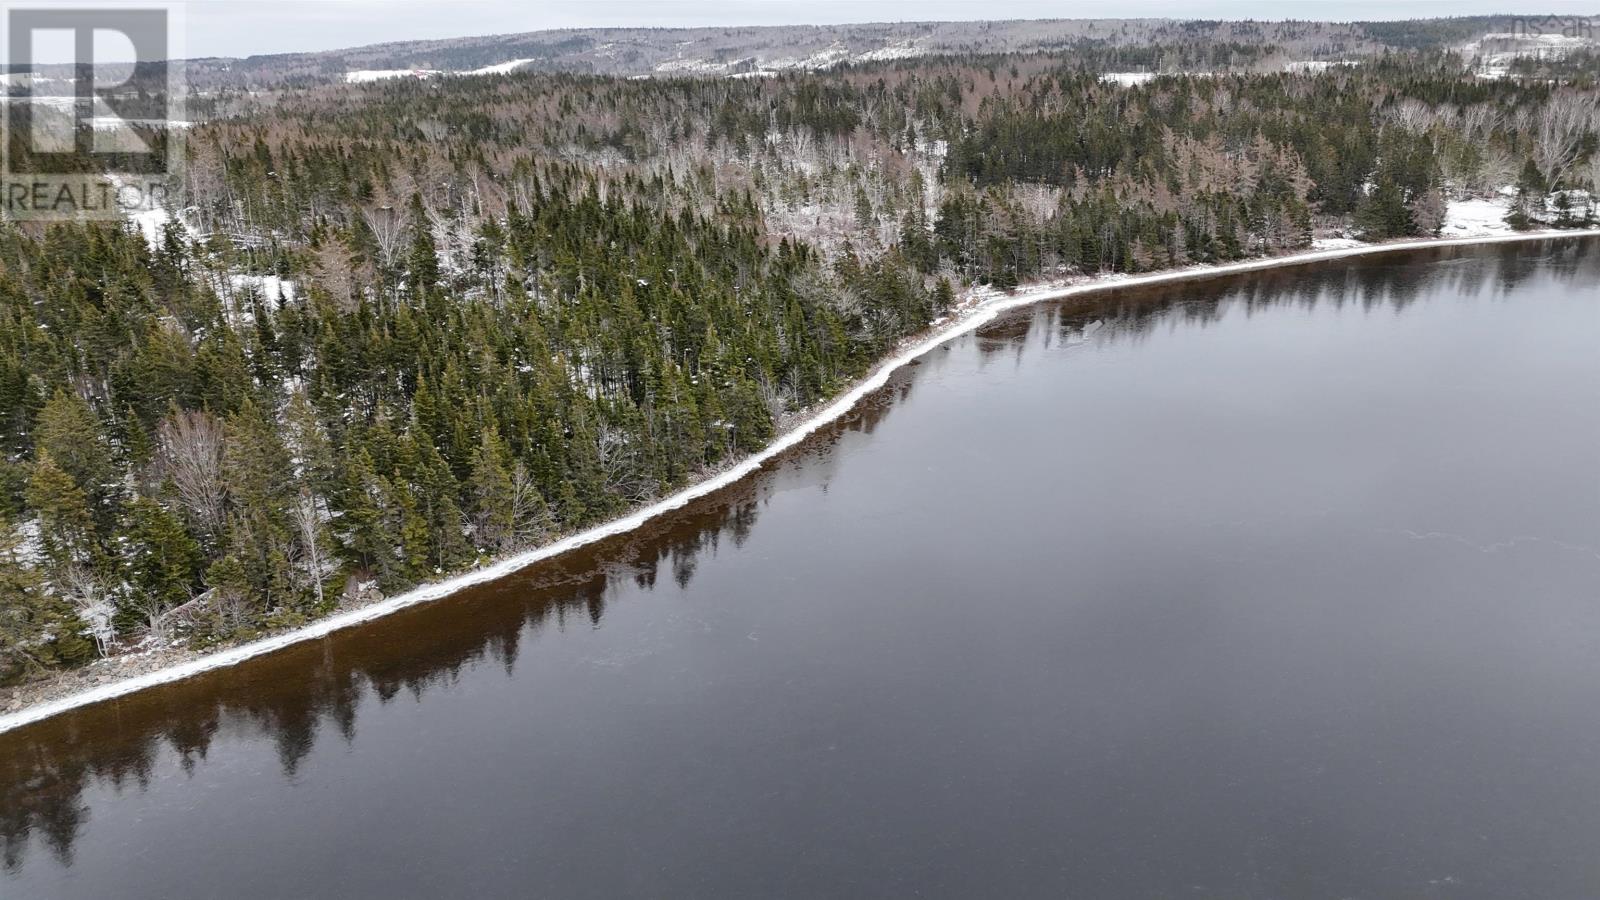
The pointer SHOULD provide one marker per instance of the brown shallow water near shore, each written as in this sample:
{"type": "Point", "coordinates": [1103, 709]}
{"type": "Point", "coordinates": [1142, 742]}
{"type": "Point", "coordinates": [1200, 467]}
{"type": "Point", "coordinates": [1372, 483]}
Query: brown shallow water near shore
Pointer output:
{"type": "Point", "coordinates": [1275, 585]}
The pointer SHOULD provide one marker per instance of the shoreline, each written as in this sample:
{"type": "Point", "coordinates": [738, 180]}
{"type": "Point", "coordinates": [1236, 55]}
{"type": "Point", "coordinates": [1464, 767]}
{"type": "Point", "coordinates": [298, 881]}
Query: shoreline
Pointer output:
{"type": "Point", "coordinates": [964, 319]}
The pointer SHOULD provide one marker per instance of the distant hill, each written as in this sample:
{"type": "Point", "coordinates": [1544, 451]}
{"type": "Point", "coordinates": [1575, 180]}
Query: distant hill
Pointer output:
{"type": "Point", "coordinates": [755, 50]}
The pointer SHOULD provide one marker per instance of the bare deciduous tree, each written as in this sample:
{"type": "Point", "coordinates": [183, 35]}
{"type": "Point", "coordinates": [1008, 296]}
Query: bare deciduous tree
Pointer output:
{"type": "Point", "coordinates": [619, 465]}
{"type": "Point", "coordinates": [1497, 169]}
{"type": "Point", "coordinates": [334, 267]}
{"type": "Point", "coordinates": [1479, 121]}
{"type": "Point", "coordinates": [92, 602]}
{"type": "Point", "coordinates": [191, 451]}
{"type": "Point", "coordinates": [777, 399]}
{"type": "Point", "coordinates": [389, 229]}
{"type": "Point", "coordinates": [1562, 126]}
{"type": "Point", "coordinates": [155, 620]}
{"type": "Point", "coordinates": [1414, 116]}
{"type": "Point", "coordinates": [307, 516]}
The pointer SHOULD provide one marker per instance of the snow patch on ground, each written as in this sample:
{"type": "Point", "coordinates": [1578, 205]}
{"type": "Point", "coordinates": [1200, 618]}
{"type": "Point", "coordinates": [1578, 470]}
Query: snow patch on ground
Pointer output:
{"type": "Point", "coordinates": [822, 59]}
{"type": "Point", "coordinates": [1494, 53]}
{"type": "Point", "coordinates": [503, 68]}
{"type": "Point", "coordinates": [905, 50]}
{"type": "Point", "coordinates": [152, 222]}
{"type": "Point", "coordinates": [1317, 66]}
{"type": "Point", "coordinates": [692, 67]}
{"type": "Point", "coordinates": [1127, 79]}
{"type": "Point", "coordinates": [1133, 79]}
{"type": "Point", "coordinates": [755, 67]}
{"type": "Point", "coordinates": [1469, 218]}
{"type": "Point", "coordinates": [270, 288]}
{"type": "Point", "coordinates": [47, 100]}
{"type": "Point", "coordinates": [112, 123]}
{"type": "Point", "coordinates": [980, 309]}
{"type": "Point", "coordinates": [365, 76]}
{"type": "Point", "coordinates": [29, 550]}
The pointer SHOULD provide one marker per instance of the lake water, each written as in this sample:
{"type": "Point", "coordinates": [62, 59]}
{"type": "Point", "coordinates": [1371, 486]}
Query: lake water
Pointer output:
{"type": "Point", "coordinates": [1284, 585]}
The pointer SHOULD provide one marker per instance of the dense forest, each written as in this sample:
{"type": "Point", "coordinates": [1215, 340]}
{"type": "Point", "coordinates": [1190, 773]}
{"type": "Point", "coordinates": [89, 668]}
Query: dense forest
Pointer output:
{"type": "Point", "coordinates": [401, 328]}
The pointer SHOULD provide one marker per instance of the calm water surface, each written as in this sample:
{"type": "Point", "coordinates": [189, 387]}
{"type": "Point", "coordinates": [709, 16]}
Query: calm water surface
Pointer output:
{"type": "Point", "coordinates": [1279, 586]}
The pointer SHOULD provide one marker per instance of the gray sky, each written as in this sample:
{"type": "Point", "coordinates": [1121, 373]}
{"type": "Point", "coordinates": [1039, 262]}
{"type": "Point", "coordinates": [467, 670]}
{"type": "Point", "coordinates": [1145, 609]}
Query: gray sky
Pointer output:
{"type": "Point", "coordinates": [246, 27]}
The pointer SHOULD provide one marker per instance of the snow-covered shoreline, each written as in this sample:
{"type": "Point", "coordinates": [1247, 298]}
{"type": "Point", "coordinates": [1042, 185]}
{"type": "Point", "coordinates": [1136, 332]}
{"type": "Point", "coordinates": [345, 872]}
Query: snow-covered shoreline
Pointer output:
{"type": "Point", "coordinates": [966, 320]}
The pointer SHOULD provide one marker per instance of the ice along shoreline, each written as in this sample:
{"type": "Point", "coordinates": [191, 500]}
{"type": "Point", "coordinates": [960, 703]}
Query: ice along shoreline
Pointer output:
{"type": "Point", "coordinates": [970, 317]}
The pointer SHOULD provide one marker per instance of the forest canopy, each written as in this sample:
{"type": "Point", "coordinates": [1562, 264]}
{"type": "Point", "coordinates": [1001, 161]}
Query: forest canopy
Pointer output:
{"type": "Point", "coordinates": [398, 329]}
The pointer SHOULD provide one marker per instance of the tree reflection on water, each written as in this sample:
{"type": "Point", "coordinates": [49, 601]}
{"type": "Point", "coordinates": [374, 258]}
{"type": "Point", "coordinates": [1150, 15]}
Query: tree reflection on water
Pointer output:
{"type": "Point", "coordinates": [313, 690]}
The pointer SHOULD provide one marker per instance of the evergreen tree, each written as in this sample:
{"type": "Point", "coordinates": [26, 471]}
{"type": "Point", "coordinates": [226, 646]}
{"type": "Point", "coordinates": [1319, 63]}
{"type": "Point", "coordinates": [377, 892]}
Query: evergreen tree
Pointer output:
{"type": "Point", "coordinates": [163, 561]}
{"type": "Point", "coordinates": [1384, 214]}
{"type": "Point", "coordinates": [69, 433]}
{"type": "Point", "coordinates": [493, 494]}
{"type": "Point", "coordinates": [37, 630]}
{"type": "Point", "coordinates": [66, 526]}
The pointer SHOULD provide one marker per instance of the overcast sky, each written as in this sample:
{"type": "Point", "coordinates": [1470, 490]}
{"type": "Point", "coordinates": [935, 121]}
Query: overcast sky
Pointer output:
{"type": "Point", "coordinates": [246, 27]}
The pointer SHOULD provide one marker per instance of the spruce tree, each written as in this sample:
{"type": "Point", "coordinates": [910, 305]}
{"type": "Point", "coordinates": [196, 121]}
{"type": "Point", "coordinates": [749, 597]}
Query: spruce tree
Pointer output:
{"type": "Point", "coordinates": [66, 526]}
{"type": "Point", "coordinates": [163, 561]}
{"type": "Point", "coordinates": [492, 494]}
{"type": "Point", "coordinates": [69, 433]}
{"type": "Point", "coordinates": [38, 630]}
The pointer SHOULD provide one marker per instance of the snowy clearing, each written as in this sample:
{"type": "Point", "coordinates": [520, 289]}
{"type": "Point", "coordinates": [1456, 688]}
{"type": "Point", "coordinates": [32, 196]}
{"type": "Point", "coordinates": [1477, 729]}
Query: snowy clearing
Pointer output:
{"type": "Point", "coordinates": [1466, 218]}
{"type": "Point", "coordinates": [1494, 53]}
{"type": "Point", "coordinates": [1127, 79]}
{"type": "Point", "coordinates": [364, 76]}
{"type": "Point", "coordinates": [755, 67]}
{"type": "Point", "coordinates": [984, 310]}
{"type": "Point", "coordinates": [112, 123]}
{"type": "Point", "coordinates": [502, 68]}
{"type": "Point", "coordinates": [1475, 218]}
{"type": "Point", "coordinates": [905, 50]}
{"type": "Point", "coordinates": [1311, 66]}
{"type": "Point", "coordinates": [270, 288]}
{"type": "Point", "coordinates": [151, 222]}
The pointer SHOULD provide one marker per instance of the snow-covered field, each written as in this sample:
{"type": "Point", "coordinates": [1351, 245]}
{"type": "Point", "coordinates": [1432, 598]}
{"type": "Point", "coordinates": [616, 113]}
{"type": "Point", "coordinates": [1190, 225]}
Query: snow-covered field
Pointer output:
{"type": "Point", "coordinates": [1479, 217]}
{"type": "Point", "coordinates": [1493, 54]}
{"type": "Point", "coordinates": [1133, 79]}
{"type": "Point", "coordinates": [365, 76]}
{"type": "Point", "coordinates": [1127, 79]}
{"type": "Point", "coordinates": [980, 311]}
{"type": "Point", "coordinates": [112, 123]}
{"type": "Point", "coordinates": [692, 67]}
{"type": "Point", "coordinates": [1468, 218]}
{"type": "Point", "coordinates": [46, 100]}
{"type": "Point", "coordinates": [1474, 218]}
{"type": "Point", "coordinates": [1310, 66]}
{"type": "Point", "coordinates": [904, 50]}
{"type": "Point", "coordinates": [503, 68]}
{"type": "Point", "coordinates": [755, 67]}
